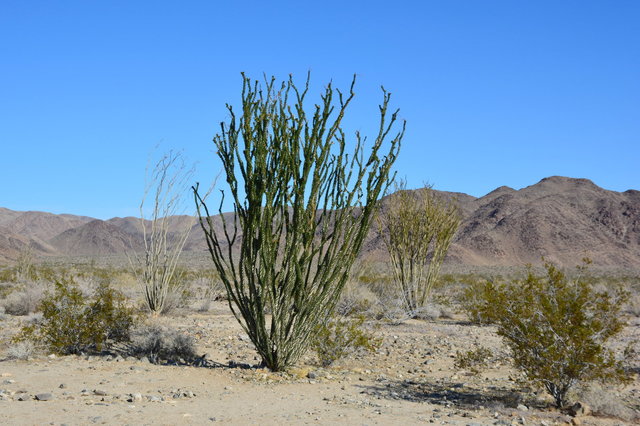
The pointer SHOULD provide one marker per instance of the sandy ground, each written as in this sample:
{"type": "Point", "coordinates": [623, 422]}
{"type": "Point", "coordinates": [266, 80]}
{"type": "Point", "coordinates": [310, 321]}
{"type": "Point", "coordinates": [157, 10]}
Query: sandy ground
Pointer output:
{"type": "Point", "coordinates": [409, 380]}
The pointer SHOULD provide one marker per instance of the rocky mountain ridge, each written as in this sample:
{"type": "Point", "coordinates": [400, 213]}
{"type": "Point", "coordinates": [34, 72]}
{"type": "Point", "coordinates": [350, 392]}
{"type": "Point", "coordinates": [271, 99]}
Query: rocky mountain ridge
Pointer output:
{"type": "Point", "coordinates": [561, 219]}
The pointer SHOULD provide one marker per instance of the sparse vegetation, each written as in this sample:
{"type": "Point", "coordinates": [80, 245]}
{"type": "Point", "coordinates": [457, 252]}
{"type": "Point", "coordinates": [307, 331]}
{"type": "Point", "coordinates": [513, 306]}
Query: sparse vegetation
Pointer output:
{"type": "Point", "coordinates": [473, 360]}
{"type": "Point", "coordinates": [340, 337]}
{"type": "Point", "coordinates": [303, 204]}
{"type": "Point", "coordinates": [556, 328]}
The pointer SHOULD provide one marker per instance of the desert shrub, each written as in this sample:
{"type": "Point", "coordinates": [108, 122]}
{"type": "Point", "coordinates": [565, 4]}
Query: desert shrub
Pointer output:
{"type": "Point", "coordinates": [633, 306]}
{"type": "Point", "coordinates": [474, 299]}
{"type": "Point", "coordinates": [474, 360]}
{"type": "Point", "coordinates": [72, 324]}
{"type": "Point", "coordinates": [24, 300]}
{"type": "Point", "coordinates": [556, 328]}
{"type": "Point", "coordinates": [603, 402]}
{"type": "Point", "coordinates": [340, 337]}
{"type": "Point", "coordinates": [22, 350]}
{"type": "Point", "coordinates": [159, 343]}
{"type": "Point", "coordinates": [356, 299]}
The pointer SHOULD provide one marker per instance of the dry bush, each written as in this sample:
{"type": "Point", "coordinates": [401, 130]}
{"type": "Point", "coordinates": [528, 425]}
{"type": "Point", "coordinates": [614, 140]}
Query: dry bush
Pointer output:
{"type": "Point", "coordinates": [25, 299]}
{"type": "Point", "coordinates": [356, 299]}
{"type": "Point", "coordinates": [207, 288]}
{"type": "Point", "coordinates": [160, 344]}
{"type": "Point", "coordinates": [22, 350]}
{"type": "Point", "coordinates": [604, 402]}
{"type": "Point", "coordinates": [632, 307]}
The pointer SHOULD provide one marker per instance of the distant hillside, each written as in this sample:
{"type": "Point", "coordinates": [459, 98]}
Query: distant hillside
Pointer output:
{"type": "Point", "coordinates": [562, 219]}
{"type": "Point", "coordinates": [94, 239]}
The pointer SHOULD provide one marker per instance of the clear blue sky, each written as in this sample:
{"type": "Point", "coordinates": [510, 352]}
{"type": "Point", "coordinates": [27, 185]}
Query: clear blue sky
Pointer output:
{"type": "Point", "coordinates": [494, 92]}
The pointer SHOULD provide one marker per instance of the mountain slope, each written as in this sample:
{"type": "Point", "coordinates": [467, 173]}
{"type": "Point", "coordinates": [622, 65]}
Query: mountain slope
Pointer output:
{"type": "Point", "coordinates": [562, 219]}
{"type": "Point", "coordinates": [94, 239]}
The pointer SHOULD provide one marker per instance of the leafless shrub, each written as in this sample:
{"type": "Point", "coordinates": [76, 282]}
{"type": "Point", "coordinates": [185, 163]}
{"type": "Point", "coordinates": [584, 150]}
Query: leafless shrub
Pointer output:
{"type": "Point", "coordinates": [25, 300]}
{"type": "Point", "coordinates": [356, 299]}
{"type": "Point", "coordinates": [159, 344]}
{"type": "Point", "coordinates": [156, 266]}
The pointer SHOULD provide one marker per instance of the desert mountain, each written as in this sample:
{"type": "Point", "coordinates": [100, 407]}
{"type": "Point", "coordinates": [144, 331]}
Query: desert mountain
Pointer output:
{"type": "Point", "coordinates": [94, 239]}
{"type": "Point", "coordinates": [562, 219]}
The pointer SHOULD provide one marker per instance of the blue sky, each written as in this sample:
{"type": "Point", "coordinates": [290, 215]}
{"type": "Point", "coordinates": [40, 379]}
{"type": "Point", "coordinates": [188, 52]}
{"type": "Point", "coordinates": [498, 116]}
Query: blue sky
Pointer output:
{"type": "Point", "coordinates": [494, 92]}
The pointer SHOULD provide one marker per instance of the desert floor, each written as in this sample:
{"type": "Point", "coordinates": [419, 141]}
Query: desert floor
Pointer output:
{"type": "Point", "coordinates": [411, 379]}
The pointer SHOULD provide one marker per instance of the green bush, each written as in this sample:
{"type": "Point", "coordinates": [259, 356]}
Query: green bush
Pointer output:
{"type": "Point", "coordinates": [556, 328]}
{"type": "Point", "coordinates": [338, 338]}
{"type": "Point", "coordinates": [71, 324]}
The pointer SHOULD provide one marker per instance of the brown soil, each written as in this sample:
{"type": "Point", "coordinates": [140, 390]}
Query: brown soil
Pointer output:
{"type": "Point", "coordinates": [409, 380]}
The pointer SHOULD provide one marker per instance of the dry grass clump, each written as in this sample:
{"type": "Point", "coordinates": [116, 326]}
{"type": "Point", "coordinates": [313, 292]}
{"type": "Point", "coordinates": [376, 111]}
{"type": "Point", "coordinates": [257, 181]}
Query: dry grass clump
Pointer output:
{"type": "Point", "coordinates": [22, 350]}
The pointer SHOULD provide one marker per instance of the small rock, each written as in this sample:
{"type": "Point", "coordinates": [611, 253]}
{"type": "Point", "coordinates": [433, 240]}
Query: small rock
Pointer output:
{"type": "Point", "coordinates": [579, 409]}
{"type": "Point", "coordinates": [47, 396]}
{"type": "Point", "coordinates": [24, 397]}
{"type": "Point", "coordinates": [576, 421]}
{"type": "Point", "coordinates": [52, 356]}
{"type": "Point", "coordinates": [62, 386]}
{"type": "Point", "coordinates": [522, 407]}
{"type": "Point", "coordinates": [100, 392]}
{"type": "Point", "coordinates": [154, 398]}
{"type": "Point", "coordinates": [312, 375]}
{"type": "Point", "coordinates": [8, 382]}
{"type": "Point", "coordinates": [135, 397]}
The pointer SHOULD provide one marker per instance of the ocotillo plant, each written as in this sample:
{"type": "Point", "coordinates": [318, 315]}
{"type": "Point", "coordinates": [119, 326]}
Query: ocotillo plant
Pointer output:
{"type": "Point", "coordinates": [303, 204]}
{"type": "Point", "coordinates": [417, 228]}
{"type": "Point", "coordinates": [156, 266]}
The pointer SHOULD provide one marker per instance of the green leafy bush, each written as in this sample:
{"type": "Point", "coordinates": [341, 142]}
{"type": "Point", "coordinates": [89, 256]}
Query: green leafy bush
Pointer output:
{"type": "Point", "coordinates": [71, 324]}
{"type": "Point", "coordinates": [556, 328]}
{"type": "Point", "coordinates": [338, 338]}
